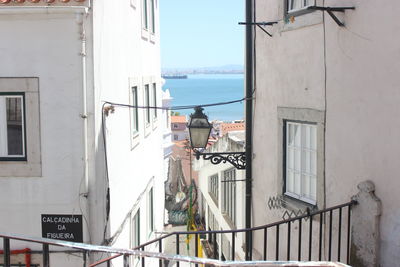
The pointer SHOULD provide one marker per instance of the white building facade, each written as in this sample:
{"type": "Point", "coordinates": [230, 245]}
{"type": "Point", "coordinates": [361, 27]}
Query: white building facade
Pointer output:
{"type": "Point", "coordinates": [61, 60]}
{"type": "Point", "coordinates": [222, 196]}
{"type": "Point", "coordinates": [326, 114]}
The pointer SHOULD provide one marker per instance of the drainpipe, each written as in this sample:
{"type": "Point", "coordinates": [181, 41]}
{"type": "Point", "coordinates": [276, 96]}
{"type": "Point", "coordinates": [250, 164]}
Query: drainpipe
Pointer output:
{"type": "Point", "coordinates": [249, 123]}
{"type": "Point", "coordinates": [84, 194]}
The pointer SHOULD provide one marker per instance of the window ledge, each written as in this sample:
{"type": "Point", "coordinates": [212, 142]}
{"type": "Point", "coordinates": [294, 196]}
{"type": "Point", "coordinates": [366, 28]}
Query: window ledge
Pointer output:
{"type": "Point", "coordinates": [294, 204]}
{"type": "Point", "coordinates": [302, 18]}
{"type": "Point", "coordinates": [135, 140]}
{"type": "Point", "coordinates": [229, 221]}
{"type": "Point", "coordinates": [213, 198]}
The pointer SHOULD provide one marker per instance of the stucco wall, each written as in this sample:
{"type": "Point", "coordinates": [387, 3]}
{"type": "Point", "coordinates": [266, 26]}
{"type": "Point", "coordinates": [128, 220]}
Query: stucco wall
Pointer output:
{"type": "Point", "coordinates": [126, 56]}
{"type": "Point", "coordinates": [36, 45]}
{"type": "Point", "coordinates": [360, 97]}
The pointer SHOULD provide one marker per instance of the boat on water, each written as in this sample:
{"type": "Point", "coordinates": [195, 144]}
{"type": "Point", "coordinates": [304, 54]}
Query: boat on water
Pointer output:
{"type": "Point", "coordinates": [174, 76]}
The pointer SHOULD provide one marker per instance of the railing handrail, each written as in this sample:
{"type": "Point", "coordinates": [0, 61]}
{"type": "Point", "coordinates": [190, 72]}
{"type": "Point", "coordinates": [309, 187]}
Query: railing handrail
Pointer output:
{"type": "Point", "coordinates": [347, 204]}
{"type": "Point", "coordinates": [162, 256]}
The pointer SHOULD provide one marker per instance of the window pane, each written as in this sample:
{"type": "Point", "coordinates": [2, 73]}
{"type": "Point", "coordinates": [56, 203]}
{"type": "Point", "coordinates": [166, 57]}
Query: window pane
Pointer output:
{"type": "Point", "coordinates": [155, 99]}
{"type": "Point", "coordinates": [144, 15]}
{"type": "Point", "coordinates": [152, 14]}
{"type": "Point", "coordinates": [135, 122]}
{"type": "Point", "coordinates": [301, 160]}
{"type": "Point", "coordinates": [147, 101]}
{"type": "Point", "coordinates": [11, 126]}
{"type": "Point", "coordinates": [14, 126]}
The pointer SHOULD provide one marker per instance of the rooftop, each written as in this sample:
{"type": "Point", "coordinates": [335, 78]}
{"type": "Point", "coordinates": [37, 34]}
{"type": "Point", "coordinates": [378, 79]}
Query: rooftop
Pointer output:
{"type": "Point", "coordinates": [178, 119]}
{"type": "Point", "coordinates": [42, 2]}
{"type": "Point", "coordinates": [228, 127]}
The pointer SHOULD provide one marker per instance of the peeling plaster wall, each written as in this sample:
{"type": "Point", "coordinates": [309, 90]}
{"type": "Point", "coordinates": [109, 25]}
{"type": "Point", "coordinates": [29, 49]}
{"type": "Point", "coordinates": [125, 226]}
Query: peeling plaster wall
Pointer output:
{"type": "Point", "coordinates": [362, 96]}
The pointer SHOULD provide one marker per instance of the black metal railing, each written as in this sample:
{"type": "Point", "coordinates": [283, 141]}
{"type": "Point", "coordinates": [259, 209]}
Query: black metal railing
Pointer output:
{"type": "Point", "coordinates": [319, 230]}
{"type": "Point", "coordinates": [305, 238]}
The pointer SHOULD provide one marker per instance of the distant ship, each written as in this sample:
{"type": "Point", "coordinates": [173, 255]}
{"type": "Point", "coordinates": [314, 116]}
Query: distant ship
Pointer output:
{"type": "Point", "coordinates": [174, 76]}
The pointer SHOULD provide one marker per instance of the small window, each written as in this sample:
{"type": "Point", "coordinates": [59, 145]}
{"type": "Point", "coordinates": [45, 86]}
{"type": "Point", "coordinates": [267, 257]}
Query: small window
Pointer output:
{"type": "Point", "coordinates": [176, 137]}
{"type": "Point", "coordinates": [213, 187]}
{"type": "Point", "coordinates": [12, 126]}
{"type": "Point", "coordinates": [229, 194]}
{"type": "Point", "coordinates": [301, 161]}
{"type": "Point", "coordinates": [145, 21]}
{"type": "Point", "coordinates": [151, 211]}
{"type": "Point", "coordinates": [147, 103]}
{"type": "Point", "coordinates": [296, 5]}
{"type": "Point", "coordinates": [135, 115]}
{"type": "Point", "coordinates": [152, 17]}
{"type": "Point", "coordinates": [135, 226]}
{"type": "Point", "coordinates": [175, 126]}
{"type": "Point", "coordinates": [154, 100]}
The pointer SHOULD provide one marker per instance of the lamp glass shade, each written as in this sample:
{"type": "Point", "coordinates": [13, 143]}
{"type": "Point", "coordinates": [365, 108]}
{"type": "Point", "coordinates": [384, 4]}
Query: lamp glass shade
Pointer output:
{"type": "Point", "coordinates": [199, 129]}
{"type": "Point", "coordinates": [199, 137]}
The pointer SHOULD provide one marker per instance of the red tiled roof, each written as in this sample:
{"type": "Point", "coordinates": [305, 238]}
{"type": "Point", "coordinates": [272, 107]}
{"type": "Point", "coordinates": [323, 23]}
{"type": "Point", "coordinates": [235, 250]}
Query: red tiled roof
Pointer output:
{"type": "Point", "coordinates": [178, 119]}
{"type": "Point", "coordinates": [16, 2]}
{"type": "Point", "coordinates": [228, 127]}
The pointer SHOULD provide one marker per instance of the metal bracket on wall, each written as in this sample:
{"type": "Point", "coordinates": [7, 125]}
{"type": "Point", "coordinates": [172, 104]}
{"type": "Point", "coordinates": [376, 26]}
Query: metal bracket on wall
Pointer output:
{"type": "Point", "coordinates": [237, 159]}
{"type": "Point", "coordinates": [260, 24]}
{"type": "Point", "coordinates": [330, 11]}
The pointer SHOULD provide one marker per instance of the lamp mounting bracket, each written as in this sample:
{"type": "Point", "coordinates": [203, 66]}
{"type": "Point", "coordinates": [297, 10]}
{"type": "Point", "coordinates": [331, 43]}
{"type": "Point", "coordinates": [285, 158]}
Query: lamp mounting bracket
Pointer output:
{"type": "Point", "coordinates": [260, 24]}
{"type": "Point", "coordinates": [330, 11]}
{"type": "Point", "coordinates": [237, 159]}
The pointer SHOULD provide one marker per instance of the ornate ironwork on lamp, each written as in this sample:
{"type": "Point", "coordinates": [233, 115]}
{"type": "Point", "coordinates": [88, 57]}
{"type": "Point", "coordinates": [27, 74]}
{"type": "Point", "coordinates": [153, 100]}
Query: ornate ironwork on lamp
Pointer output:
{"type": "Point", "coordinates": [199, 132]}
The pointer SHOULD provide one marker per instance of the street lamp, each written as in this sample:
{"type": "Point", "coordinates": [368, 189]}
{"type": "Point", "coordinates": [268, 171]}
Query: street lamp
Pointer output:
{"type": "Point", "coordinates": [199, 129]}
{"type": "Point", "coordinates": [199, 132]}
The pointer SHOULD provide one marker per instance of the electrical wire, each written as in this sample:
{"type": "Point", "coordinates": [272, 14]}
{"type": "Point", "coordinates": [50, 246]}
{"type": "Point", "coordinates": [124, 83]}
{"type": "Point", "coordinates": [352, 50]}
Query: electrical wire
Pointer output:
{"type": "Point", "coordinates": [174, 107]}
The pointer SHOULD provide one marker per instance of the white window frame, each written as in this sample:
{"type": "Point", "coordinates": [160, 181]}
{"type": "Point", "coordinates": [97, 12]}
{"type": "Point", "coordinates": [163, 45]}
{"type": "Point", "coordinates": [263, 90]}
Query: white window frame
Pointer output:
{"type": "Point", "coordinates": [6, 156]}
{"type": "Point", "coordinates": [154, 100]}
{"type": "Point", "coordinates": [135, 111]}
{"type": "Point", "coordinates": [301, 161]}
{"type": "Point", "coordinates": [228, 198]}
{"type": "Point", "coordinates": [147, 113]}
{"type": "Point", "coordinates": [213, 187]}
{"type": "Point", "coordinates": [135, 229]}
{"type": "Point", "coordinates": [152, 17]}
{"type": "Point", "coordinates": [150, 210]}
{"type": "Point", "coordinates": [298, 5]}
{"type": "Point", "coordinates": [32, 165]}
{"type": "Point", "coordinates": [145, 15]}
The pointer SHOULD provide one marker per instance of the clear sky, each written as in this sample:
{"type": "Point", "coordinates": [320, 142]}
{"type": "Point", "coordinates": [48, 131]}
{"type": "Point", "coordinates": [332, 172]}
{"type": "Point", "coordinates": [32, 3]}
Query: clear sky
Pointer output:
{"type": "Point", "coordinates": [201, 33]}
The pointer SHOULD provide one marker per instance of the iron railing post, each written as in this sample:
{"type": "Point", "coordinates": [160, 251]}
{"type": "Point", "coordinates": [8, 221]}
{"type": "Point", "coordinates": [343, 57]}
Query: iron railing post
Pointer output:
{"type": "Point", "coordinates": [265, 242]}
{"type": "Point", "coordinates": [160, 250]}
{"type": "Point", "coordinates": [196, 247]}
{"type": "Point", "coordinates": [6, 255]}
{"type": "Point", "coordinates": [339, 233]}
{"type": "Point", "coordinates": [46, 256]}
{"type": "Point", "coordinates": [126, 260]}
{"type": "Point", "coordinates": [177, 248]}
{"type": "Point", "coordinates": [310, 239]}
{"type": "Point", "coordinates": [299, 248]}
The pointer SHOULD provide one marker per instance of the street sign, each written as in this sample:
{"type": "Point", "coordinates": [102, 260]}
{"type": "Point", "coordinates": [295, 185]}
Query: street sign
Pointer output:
{"type": "Point", "coordinates": [62, 227]}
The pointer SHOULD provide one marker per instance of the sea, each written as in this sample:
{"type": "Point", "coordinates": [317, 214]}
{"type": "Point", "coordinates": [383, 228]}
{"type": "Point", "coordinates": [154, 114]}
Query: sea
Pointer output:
{"type": "Point", "coordinates": [200, 89]}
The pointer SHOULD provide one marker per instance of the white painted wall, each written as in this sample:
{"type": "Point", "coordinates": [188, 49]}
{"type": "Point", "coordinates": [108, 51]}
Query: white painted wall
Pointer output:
{"type": "Point", "coordinates": [361, 103]}
{"type": "Point", "coordinates": [47, 43]}
{"type": "Point", "coordinates": [206, 169]}
{"type": "Point", "coordinates": [125, 56]}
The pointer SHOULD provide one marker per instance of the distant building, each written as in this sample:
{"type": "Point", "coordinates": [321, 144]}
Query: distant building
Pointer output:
{"type": "Point", "coordinates": [224, 128]}
{"type": "Point", "coordinates": [221, 195]}
{"type": "Point", "coordinates": [179, 128]}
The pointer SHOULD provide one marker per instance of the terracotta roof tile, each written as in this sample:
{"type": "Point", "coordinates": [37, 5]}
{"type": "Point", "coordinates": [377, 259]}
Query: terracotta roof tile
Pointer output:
{"type": "Point", "coordinates": [44, 2]}
{"type": "Point", "coordinates": [228, 127]}
{"type": "Point", "coordinates": [178, 119]}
